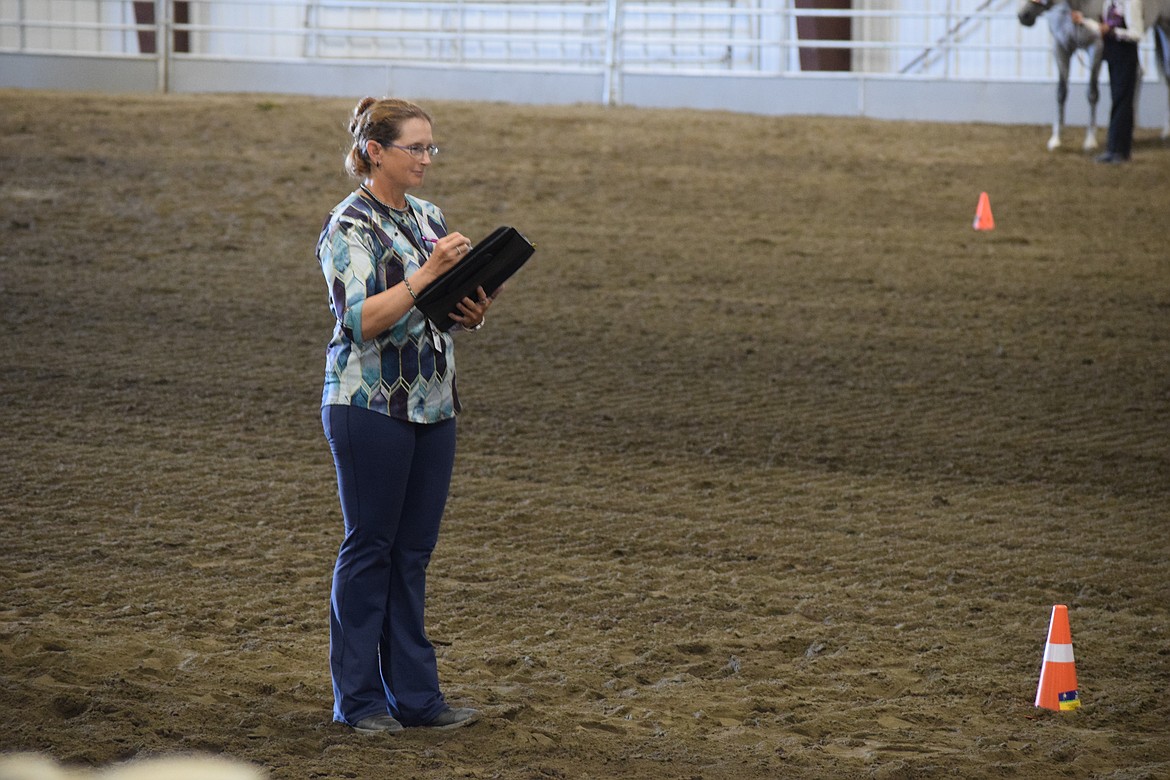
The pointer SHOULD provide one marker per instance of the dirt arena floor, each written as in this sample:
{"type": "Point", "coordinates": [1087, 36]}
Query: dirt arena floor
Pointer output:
{"type": "Point", "coordinates": [770, 467]}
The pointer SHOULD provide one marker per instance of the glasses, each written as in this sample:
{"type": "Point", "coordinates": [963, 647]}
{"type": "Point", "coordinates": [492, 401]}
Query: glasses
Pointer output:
{"type": "Point", "coordinates": [418, 150]}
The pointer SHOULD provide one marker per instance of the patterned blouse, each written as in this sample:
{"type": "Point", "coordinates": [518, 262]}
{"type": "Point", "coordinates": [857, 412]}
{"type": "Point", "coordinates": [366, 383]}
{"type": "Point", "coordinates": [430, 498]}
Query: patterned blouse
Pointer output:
{"type": "Point", "coordinates": [407, 371]}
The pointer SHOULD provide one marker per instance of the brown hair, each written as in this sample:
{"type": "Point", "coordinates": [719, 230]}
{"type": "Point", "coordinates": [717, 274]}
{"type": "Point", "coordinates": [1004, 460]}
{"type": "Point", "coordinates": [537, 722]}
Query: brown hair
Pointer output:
{"type": "Point", "coordinates": [381, 121]}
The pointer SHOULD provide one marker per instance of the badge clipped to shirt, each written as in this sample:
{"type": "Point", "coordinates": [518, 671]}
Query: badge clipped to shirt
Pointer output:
{"type": "Point", "coordinates": [436, 336]}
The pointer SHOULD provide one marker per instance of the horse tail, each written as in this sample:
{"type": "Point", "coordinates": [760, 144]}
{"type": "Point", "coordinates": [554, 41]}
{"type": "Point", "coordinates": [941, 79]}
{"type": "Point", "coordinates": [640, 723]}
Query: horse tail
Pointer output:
{"type": "Point", "coordinates": [1162, 49]}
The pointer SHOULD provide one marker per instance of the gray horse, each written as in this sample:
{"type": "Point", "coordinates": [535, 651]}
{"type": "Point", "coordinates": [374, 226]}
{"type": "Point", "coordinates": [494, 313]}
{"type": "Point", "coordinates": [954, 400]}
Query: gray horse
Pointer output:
{"type": "Point", "coordinates": [1156, 17]}
{"type": "Point", "coordinates": [1067, 39]}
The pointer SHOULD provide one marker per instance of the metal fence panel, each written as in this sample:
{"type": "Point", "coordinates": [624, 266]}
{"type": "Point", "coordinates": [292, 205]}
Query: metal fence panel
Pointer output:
{"type": "Point", "coordinates": [937, 39]}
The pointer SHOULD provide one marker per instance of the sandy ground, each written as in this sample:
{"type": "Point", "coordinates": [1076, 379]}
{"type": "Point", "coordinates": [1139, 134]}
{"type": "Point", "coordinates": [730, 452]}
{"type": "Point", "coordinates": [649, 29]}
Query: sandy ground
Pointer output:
{"type": "Point", "coordinates": [771, 466]}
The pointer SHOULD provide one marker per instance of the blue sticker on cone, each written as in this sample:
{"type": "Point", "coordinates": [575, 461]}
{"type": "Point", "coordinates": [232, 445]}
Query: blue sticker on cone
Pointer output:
{"type": "Point", "coordinates": [1068, 700]}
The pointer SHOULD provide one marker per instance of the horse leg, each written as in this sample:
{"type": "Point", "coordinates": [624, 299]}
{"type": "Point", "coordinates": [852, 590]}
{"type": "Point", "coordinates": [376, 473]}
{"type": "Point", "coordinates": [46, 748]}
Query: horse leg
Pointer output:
{"type": "Point", "coordinates": [1061, 97]}
{"type": "Point", "coordinates": [1096, 52]}
{"type": "Point", "coordinates": [1062, 58]}
{"type": "Point", "coordinates": [1058, 123]}
{"type": "Point", "coordinates": [1054, 139]}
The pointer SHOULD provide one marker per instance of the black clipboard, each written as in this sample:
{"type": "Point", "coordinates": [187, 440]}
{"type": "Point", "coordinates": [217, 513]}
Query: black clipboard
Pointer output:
{"type": "Point", "coordinates": [489, 264]}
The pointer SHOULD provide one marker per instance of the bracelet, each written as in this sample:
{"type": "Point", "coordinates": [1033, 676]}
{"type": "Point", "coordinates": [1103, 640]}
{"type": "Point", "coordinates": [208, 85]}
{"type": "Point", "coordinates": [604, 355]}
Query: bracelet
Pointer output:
{"type": "Point", "coordinates": [480, 325]}
{"type": "Point", "coordinates": [409, 289]}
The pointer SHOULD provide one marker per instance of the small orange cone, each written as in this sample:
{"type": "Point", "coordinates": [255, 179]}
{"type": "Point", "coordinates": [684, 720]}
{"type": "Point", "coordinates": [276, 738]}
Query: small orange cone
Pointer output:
{"type": "Point", "coordinates": [1058, 677]}
{"type": "Point", "coordinates": [983, 218]}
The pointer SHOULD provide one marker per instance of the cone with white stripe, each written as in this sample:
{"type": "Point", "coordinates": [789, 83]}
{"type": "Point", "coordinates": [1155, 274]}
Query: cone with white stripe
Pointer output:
{"type": "Point", "coordinates": [983, 218]}
{"type": "Point", "coordinates": [1058, 677]}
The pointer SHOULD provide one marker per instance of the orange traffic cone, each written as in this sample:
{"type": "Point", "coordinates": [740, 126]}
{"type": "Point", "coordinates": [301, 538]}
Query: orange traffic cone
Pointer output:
{"type": "Point", "coordinates": [1058, 677]}
{"type": "Point", "coordinates": [983, 218]}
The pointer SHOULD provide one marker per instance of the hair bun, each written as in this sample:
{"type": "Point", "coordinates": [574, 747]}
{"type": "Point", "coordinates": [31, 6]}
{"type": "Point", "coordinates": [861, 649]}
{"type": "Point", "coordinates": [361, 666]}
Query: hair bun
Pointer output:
{"type": "Point", "coordinates": [360, 109]}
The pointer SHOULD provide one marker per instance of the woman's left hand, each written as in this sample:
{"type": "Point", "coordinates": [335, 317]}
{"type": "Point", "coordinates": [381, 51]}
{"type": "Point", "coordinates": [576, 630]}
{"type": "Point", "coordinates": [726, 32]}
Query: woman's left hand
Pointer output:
{"type": "Point", "coordinates": [471, 311]}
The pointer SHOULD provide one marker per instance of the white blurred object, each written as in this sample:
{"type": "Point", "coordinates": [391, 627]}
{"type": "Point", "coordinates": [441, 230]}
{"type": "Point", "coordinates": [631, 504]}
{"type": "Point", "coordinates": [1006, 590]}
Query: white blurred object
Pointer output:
{"type": "Point", "coordinates": [30, 766]}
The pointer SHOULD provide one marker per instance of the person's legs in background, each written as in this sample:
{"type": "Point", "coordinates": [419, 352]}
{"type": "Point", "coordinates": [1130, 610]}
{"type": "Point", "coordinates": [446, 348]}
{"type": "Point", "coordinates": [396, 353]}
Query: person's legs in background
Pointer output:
{"type": "Point", "coordinates": [1122, 59]}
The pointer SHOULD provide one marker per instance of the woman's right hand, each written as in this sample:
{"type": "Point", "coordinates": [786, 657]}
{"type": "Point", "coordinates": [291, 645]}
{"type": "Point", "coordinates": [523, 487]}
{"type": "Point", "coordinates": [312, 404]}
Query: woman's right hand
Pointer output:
{"type": "Point", "coordinates": [387, 307]}
{"type": "Point", "coordinates": [448, 251]}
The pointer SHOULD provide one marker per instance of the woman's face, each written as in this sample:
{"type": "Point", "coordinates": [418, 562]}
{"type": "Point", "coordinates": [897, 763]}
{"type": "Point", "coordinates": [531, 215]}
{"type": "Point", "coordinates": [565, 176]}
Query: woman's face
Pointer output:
{"type": "Point", "coordinates": [405, 168]}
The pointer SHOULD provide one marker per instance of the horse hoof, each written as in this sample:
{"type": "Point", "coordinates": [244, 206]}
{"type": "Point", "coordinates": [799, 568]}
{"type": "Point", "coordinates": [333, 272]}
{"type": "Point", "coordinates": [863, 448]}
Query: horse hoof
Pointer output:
{"type": "Point", "coordinates": [1090, 144]}
{"type": "Point", "coordinates": [1053, 144]}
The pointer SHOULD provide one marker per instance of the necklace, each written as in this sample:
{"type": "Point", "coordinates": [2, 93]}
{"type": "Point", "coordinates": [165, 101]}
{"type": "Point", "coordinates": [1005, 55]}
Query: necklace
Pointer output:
{"type": "Point", "coordinates": [382, 203]}
{"type": "Point", "coordinates": [406, 221]}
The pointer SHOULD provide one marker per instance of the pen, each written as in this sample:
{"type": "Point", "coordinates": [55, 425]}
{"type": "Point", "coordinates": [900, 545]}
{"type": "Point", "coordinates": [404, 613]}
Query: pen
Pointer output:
{"type": "Point", "coordinates": [430, 240]}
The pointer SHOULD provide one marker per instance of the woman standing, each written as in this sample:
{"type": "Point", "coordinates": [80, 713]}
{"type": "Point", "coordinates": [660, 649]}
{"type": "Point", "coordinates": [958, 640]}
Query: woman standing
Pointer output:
{"type": "Point", "coordinates": [388, 409]}
{"type": "Point", "coordinates": [1121, 29]}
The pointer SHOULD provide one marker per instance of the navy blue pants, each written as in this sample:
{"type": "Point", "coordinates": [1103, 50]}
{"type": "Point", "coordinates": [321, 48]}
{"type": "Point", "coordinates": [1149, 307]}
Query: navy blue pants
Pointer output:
{"type": "Point", "coordinates": [1122, 58]}
{"type": "Point", "coordinates": [393, 478]}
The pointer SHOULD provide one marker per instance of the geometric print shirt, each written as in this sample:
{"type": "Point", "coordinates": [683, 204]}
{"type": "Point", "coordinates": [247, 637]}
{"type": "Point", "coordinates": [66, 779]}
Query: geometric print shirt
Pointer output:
{"type": "Point", "coordinates": [407, 371]}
